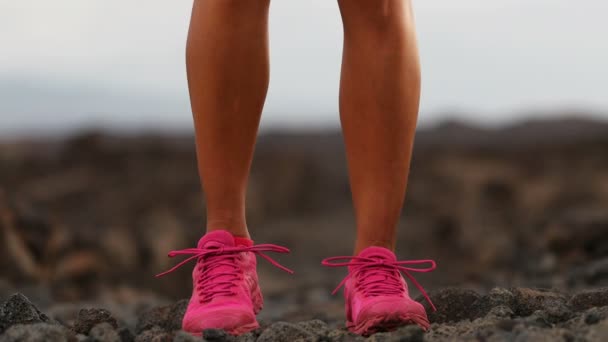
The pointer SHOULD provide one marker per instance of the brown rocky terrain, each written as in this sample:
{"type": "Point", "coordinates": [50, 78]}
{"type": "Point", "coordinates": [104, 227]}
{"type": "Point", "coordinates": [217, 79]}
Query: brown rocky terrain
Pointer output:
{"type": "Point", "coordinates": [516, 218]}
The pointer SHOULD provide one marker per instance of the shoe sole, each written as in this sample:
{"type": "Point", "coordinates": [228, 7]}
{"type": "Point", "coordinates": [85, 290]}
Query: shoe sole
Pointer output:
{"type": "Point", "coordinates": [387, 323]}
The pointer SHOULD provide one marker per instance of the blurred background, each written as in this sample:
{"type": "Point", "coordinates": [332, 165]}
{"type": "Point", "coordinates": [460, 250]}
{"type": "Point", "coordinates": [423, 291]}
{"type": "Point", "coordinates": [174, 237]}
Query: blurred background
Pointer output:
{"type": "Point", "coordinates": [98, 180]}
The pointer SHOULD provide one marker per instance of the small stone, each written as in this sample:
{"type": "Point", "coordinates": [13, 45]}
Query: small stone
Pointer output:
{"type": "Point", "coordinates": [88, 318]}
{"type": "Point", "coordinates": [343, 335]}
{"type": "Point", "coordinates": [559, 312]}
{"type": "Point", "coordinates": [167, 317]}
{"type": "Point", "coordinates": [17, 309]}
{"type": "Point", "coordinates": [215, 335]}
{"type": "Point", "coordinates": [283, 331]}
{"type": "Point", "coordinates": [154, 318]}
{"type": "Point", "coordinates": [527, 301]}
{"type": "Point", "coordinates": [104, 332]}
{"type": "Point", "coordinates": [182, 336]}
{"type": "Point", "coordinates": [178, 310]}
{"type": "Point", "coordinates": [486, 334]}
{"type": "Point", "coordinates": [592, 317]}
{"type": "Point", "coordinates": [589, 298]}
{"type": "Point", "coordinates": [316, 327]}
{"type": "Point", "coordinates": [453, 305]}
{"type": "Point", "coordinates": [506, 324]}
{"type": "Point", "coordinates": [381, 337]}
{"type": "Point", "coordinates": [499, 296]}
{"type": "Point", "coordinates": [542, 335]}
{"type": "Point", "coordinates": [38, 332]}
{"type": "Point", "coordinates": [155, 334]}
{"type": "Point", "coordinates": [537, 319]}
{"type": "Point", "coordinates": [126, 335]}
{"type": "Point", "coordinates": [64, 313]}
{"type": "Point", "coordinates": [410, 333]}
{"type": "Point", "coordinates": [248, 337]}
{"type": "Point", "coordinates": [501, 311]}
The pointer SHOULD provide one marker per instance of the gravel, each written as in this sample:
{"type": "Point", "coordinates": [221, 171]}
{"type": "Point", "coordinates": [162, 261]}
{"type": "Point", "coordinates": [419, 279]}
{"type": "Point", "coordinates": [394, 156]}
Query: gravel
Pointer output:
{"type": "Point", "coordinates": [516, 314]}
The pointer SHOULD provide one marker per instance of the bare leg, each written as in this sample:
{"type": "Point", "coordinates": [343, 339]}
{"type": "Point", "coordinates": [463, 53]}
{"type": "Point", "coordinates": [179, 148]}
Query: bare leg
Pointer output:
{"type": "Point", "coordinates": [379, 97]}
{"type": "Point", "coordinates": [227, 62]}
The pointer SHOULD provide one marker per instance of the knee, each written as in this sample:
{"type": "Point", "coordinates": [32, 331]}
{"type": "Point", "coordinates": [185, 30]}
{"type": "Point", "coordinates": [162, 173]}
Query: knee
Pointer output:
{"type": "Point", "coordinates": [237, 7]}
{"type": "Point", "coordinates": [244, 5]}
{"type": "Point", "coordinates": [375, 16]}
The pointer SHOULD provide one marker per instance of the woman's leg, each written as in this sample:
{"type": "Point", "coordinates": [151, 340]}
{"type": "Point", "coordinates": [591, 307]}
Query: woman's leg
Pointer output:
{"type": "Point", "coordinates": [379, 96]}
{"type": "Point", "coordinates": [227, 63]}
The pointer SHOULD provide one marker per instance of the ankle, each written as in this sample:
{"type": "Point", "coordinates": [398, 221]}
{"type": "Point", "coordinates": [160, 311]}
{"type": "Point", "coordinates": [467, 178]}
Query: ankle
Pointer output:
{"type": "Point", "coordinates": [362, 244]}
{"type": "Point", "coordinates": [236, 227]}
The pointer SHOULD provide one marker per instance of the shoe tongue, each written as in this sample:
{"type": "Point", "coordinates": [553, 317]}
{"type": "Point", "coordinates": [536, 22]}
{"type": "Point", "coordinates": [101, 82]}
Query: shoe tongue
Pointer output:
{"type": "Point", "coordinates": [377, 253]}
{"type": "Point", "coordinates": [216, 239]}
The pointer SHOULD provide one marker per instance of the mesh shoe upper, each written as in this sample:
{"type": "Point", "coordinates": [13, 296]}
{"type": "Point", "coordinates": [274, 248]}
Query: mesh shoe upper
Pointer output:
{"type": "Point", "coordinates": [376, 295]}
{"type": "Point", "coordinates": [225, 291]}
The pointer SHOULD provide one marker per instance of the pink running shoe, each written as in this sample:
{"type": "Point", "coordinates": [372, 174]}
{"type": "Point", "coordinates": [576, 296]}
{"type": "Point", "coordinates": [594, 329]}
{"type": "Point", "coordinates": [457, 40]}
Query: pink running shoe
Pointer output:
{"type": "Point", "coordinates": [225, 291]}
{"type": "Point", "coordinates": [375, 293]}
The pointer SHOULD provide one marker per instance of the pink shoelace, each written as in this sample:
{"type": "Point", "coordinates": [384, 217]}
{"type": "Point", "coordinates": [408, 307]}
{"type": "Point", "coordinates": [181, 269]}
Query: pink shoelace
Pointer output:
{"type": "Point", "coordinates": [210, 283]}
{"type": "Point", "coordinates": [391, 284]}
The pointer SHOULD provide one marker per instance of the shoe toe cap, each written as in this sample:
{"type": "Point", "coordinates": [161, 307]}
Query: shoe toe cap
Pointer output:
{"type": "Point", "coordinates": [233, 319]}
{"type": "Point", "coordinates": [393, 307]}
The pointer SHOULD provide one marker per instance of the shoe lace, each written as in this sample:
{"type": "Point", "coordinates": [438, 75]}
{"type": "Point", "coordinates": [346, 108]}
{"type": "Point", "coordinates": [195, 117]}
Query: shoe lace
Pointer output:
{"type": "Point", "coordinates": [366, 269]}
{"type": "Point", "coordinates": [211, 282]}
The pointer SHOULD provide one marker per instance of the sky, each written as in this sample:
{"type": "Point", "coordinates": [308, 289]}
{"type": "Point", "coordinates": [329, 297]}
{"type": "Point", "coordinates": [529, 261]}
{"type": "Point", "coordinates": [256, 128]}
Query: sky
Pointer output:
{"type": "Point", "coordinates": [66, 64]}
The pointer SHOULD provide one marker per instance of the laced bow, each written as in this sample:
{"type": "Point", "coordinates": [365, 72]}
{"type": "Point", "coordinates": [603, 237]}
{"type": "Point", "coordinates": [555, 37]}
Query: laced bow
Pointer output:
{"type": "Point", "coordinates": [391, 284]}
{"type": "Point", "coordinates": [221, 283]}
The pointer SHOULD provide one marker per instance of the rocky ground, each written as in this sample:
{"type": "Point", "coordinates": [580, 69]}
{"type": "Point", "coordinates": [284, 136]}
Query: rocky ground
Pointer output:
{"type": "Point", "coordinates": [86, 221]}
{"type": "Point", "coordinates": [518, 314]}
